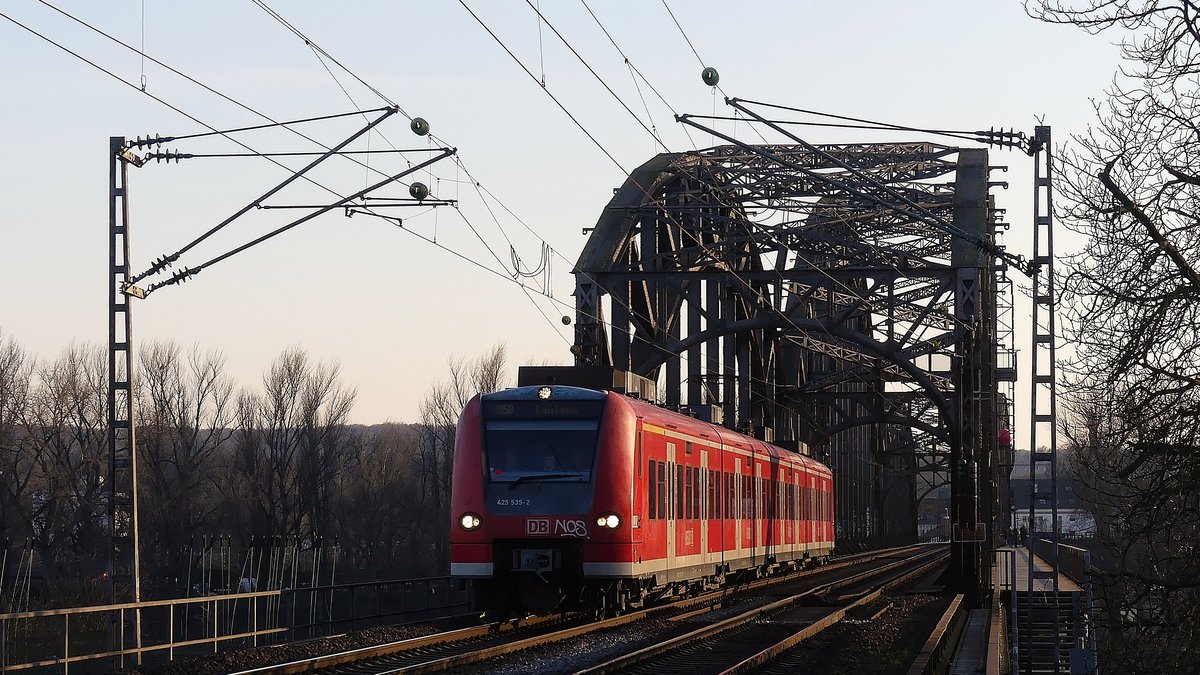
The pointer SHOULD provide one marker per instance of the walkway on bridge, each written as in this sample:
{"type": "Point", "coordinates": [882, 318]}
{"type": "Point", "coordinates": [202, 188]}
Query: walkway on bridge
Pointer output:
{"type": "Point", "coordinates": [984, 649]}
{"type": "Point", "coordinates": [1002, 573]}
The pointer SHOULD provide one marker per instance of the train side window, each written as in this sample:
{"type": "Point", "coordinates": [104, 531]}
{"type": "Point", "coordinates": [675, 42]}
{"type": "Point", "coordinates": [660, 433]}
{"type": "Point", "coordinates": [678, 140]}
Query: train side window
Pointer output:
{"type": "Point", "coordinates": [696, 493]}
{"type": "Point", "coordinates": [670, 490]}
{"type": "Point", "coordinates": [708, 494]}
{"type": "Point", "coordinates": [820, 495]}
{"type": "Point", "coordinates": [663, 489]}
{"type": "Point", "coordinates": [785, 496]}
{"type": "Point", "coordinates": [639, 453]}
{"type": "Point", "coordinates": [747, 491]}
{"type": "Point", "coordinates": [711, 493]}
{"type": "Point", "coordinates": [730, 497]}
{"type": "Point", "coordinates": [719, 494]}
{"type": "Point", "coordinates": [716, 513]}
{"type": "Point", "coordinates": [652, 493]}
{"type": "Point", "coordinates": [691, 493]}
{"type": "Point", "coordinates": [667, 513]}
{"type": "Point", "coordinates": [678, 491]}
{"type": "Point", "coordinates": [687, 492]}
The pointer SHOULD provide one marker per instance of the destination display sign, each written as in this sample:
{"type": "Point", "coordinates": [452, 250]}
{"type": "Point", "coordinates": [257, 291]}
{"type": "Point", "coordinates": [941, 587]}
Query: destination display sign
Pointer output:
{"type": "Point", "coordinates": [542, 409]}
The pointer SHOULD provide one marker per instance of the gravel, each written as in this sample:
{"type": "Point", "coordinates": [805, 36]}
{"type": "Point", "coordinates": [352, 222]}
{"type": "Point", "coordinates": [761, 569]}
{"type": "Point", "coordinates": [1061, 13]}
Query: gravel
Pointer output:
{"type": "Point", "coordinates": [855, 646]}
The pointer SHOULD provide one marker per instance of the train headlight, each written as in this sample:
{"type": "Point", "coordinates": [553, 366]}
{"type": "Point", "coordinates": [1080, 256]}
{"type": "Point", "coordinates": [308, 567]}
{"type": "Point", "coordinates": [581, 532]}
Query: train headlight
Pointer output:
{"type": "Point", "coordinates": [470, 521]}
{"type": "Point", "coordinates": [610, 521]}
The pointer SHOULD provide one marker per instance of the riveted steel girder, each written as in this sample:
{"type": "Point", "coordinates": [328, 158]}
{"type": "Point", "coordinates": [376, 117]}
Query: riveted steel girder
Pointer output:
{"type": "Point", "coordinates": [778, 283]}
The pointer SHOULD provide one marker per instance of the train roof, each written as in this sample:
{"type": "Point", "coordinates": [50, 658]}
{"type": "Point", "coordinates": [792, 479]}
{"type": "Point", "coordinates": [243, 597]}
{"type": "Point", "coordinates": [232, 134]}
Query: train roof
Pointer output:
{"type": "Point", "coordinates": [558, 392]}
{"type": "Point", "coordinates": [643, 409]}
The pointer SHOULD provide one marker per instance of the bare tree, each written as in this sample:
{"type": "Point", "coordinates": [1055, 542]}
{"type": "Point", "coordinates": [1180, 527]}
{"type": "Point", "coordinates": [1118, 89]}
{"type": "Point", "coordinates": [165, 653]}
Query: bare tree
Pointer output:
{"type": "Point", "coordinates": [16, 451]}
{"type": "Point", "coordinates": [378, 503]}
{"type": "Point", "coordinates": [1132, 186]}
{"type": "Point", "coordinates": [185, 414]}
{"type": "Point", "coordinates": [439, 414]}
{"type": "Point", "coordinates": [291, 444]}
{"type": "Point", "coordinates": [67, 425]}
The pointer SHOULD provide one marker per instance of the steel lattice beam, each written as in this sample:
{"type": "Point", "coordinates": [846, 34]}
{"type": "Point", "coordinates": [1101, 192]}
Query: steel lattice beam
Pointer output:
{"type": "Point", "coordinates": [777, 283]}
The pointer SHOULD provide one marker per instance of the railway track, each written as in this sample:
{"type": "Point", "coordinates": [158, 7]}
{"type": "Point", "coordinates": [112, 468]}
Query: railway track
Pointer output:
{"type": "Point", "coordinates": [460, 648]}
{"type": "Point", "coordinates": [746, 641]}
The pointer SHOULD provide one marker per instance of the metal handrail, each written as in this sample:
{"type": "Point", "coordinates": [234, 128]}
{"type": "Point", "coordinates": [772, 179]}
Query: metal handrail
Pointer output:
{"type": "Point", "coordinates": [241, 624]}
{"type": "Point", "coordinates": [144, 604]}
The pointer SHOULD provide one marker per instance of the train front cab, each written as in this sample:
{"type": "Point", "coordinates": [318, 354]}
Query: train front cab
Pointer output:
{"type": "Point", "coordinates": [536, 466]}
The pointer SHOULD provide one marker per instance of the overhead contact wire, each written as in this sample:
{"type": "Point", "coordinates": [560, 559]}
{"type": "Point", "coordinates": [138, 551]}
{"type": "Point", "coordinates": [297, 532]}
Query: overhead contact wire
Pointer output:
{"type": "Point", "coordinates": [596, 75]}
{"type": "Point", "coordinates": [545, 89]}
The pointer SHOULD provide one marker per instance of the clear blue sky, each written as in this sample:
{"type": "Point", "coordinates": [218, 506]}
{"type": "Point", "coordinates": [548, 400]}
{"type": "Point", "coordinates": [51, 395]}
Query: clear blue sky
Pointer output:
{"type": "Point", "coordinates": [390, 307]}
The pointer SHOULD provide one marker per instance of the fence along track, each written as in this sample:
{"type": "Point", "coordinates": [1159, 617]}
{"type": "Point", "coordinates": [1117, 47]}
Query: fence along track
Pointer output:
{"type": "Point", "coordinates": [250, 618]}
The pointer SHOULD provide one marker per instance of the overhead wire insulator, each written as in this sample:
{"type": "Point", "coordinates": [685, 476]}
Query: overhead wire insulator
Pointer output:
{"type": "Point", "coordinates": [710, 76]}
{"type": "Point", "coordinates": [159, 265]}
{"type": "Point", "coordinates": [178, 278]}
{"type": "Point", "coordinates": [1005, 139]}
{"type": "Point", "coordinates": [419, 126]}
{"type": "Point", "coordinates": [149, 141]}
{"type": "Point", "coordinates": [418, 190]}
{"type": "Point", "coordinates": [169, 155]}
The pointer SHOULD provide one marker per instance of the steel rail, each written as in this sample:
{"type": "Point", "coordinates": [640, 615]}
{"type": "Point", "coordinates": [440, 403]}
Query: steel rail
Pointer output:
{"type": "Point", "coordinates": [749, 664]}
{"type": "Point", "coordinates": [928, 559]}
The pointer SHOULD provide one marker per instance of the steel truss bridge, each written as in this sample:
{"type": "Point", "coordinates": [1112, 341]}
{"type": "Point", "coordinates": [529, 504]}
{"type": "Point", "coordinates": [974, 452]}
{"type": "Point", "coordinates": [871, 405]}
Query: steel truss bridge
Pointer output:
{"type": "Point", "coordinates": [851, 301]}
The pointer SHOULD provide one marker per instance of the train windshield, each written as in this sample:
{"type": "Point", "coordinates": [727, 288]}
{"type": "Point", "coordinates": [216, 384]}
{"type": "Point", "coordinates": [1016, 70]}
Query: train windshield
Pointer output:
{"type": "Point", "coordinates": [527, 451]}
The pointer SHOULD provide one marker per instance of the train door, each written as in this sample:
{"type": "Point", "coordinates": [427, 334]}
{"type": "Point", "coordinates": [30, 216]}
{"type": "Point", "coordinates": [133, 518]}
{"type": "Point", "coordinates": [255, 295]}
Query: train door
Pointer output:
{"type": "Point", "coordinates": [759, 514]}
{"type": "Point", "coordinates": [705, 501]}
{"type": "Point", "coordinates": [735, 503]}
{"type": "Point", "coordinates": [770, 502]}
{"type": "Point", "coordinates": [643, 476]}
{"type": "Point", "coordinates": [672, 502]}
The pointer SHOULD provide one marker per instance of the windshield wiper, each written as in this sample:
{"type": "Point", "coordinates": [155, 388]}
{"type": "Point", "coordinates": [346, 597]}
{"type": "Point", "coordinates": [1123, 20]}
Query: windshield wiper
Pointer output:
{"type": "Point", "coordinates": [542, 476]}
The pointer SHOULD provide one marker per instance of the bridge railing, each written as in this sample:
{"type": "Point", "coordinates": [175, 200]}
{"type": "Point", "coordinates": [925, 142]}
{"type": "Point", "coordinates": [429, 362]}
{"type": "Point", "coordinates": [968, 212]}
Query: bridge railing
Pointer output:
{"type": "Point", "coordinates": [95, 638]}
{"type": "Point", "coordinates": [1073, 561]}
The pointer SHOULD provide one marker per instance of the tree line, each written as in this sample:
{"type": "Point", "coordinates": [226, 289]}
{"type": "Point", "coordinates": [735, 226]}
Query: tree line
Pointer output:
{"type": "Point", "coordinates": [249, 467]}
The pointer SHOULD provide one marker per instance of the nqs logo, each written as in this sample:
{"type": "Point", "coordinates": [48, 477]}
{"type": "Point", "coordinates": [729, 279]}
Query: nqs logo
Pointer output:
{"type": "Point", "coordinates": [570, 528]}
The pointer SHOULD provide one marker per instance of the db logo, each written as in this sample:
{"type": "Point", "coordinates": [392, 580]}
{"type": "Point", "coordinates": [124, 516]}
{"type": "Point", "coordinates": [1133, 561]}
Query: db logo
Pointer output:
{"type": "Point", "coordinates": [537, 526]}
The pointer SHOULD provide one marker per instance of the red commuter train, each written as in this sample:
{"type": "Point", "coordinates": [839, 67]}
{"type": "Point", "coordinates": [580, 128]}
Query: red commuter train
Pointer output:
{"type": "Point", "coordinates": [571, 497]}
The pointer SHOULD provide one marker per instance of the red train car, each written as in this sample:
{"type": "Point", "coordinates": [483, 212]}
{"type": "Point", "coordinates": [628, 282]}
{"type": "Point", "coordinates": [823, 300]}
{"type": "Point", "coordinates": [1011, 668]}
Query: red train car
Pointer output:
{"type": "Point", "coordinates": [564, 496]}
